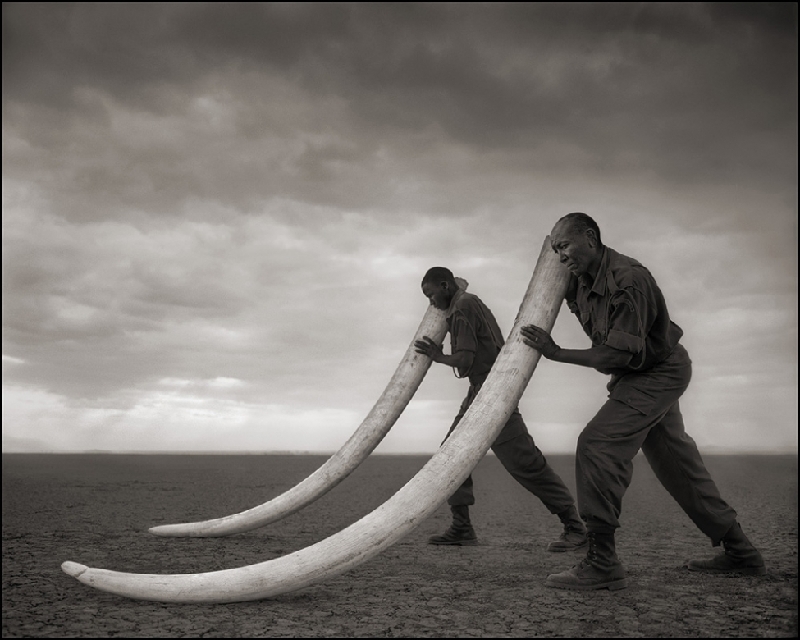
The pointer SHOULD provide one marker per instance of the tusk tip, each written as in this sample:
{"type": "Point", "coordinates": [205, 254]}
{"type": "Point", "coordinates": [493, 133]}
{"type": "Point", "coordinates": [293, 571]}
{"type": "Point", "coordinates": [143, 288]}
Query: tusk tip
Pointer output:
{"type": "Point", "coordinates": [73, 568]}
{"type": "Point", "coordinates": [168, 531]}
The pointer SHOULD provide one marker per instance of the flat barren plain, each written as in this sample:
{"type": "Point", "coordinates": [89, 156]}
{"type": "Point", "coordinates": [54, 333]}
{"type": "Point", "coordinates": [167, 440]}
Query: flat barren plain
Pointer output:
{"type": "Point", "coordinates": [95, 509]}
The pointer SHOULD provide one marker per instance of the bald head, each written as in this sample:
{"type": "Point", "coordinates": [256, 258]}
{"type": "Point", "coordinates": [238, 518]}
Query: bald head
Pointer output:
{"type": "Point", "coordinates": [578, 223]}
{"type": "Point", "coordinates": [576, 240]}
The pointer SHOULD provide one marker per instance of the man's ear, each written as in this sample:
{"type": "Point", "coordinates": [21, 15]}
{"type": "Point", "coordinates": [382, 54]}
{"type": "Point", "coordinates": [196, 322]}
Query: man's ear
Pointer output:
{"type": "Point", "coordinates": [592, 238]}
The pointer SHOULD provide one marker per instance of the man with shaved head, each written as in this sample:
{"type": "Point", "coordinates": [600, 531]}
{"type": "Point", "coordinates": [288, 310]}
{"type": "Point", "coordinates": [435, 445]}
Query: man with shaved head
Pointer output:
{"type": "Point", "coordinates": [622, 310]}
{"type": "Point", "coordinates": [475, 342]}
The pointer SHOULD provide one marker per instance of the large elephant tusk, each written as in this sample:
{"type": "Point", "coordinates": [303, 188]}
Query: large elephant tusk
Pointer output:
{"type": "Point", "coordinates": [407, 508]}
{"type": "Point", "coordinates": [393, 401]}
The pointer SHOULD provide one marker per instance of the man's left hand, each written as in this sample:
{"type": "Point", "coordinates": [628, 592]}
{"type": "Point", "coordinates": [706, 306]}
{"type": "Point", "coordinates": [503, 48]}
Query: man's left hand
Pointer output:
{"type": "Point", "coordinates": [540, 340]}
{"type": "Point", "coordinates": [429, 348]}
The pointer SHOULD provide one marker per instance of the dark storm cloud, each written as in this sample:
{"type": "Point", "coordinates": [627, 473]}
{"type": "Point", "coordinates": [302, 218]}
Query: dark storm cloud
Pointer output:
{"type": "Point", "coordinates": [675, 93]}
{"type": "Point", "coordinates": [202, 202]}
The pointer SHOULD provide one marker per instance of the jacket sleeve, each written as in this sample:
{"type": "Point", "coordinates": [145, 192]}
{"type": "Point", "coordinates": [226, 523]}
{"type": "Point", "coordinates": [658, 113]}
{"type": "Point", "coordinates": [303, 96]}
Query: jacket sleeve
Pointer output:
{"type": "Point", "coordinates": [627, 317]}
{"type": "Point", "coordinates": [462, 332]}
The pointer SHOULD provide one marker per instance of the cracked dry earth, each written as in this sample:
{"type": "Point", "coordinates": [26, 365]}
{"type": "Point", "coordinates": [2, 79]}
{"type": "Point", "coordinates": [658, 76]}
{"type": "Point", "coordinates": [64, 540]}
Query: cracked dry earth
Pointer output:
{"type": "Point", "coordinates": [95, 509]}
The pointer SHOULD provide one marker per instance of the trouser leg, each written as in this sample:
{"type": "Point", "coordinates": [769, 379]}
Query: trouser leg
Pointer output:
{"type": "Point", "coordinates": [604, 463]}
{"type": "Point", "coordinates": [608, 444]}
{"type": "Point", "coordinates": [464, 495]}
{"type": "Point", "coordinates": [677, 464]}
{"type": "Point", "coordinates": [460, 531]}
{"type": "Point", "coordinates": [527, 465]}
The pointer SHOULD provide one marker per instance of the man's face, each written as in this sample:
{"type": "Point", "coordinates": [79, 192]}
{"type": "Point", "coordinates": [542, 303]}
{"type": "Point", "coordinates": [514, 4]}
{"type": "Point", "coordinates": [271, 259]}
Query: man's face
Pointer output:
{"type": "Point", "coordinates": [578, 251]}
{"type": "Point", "coordinates": [438, 293]}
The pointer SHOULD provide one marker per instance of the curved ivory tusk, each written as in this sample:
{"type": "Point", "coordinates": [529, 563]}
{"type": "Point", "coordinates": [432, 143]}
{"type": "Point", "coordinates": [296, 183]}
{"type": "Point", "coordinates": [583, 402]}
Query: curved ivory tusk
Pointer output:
{"type": "Point", "coordinates": [407, 508]}
{"type": "Point", "coordinates": [398, 393]}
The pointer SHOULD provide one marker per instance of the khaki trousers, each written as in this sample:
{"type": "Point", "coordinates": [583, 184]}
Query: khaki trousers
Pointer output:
{"type": "Point", "coordinates": [642, 412]}
{"type": "Point", "coordinates": [520, 456]}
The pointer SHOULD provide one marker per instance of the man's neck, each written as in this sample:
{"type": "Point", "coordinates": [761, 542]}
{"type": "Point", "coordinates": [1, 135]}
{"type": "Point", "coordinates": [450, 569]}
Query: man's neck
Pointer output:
{"type": "Point", "coordinates": [455, 295]}
{"type": "Point", "coordinates": [594, 267]}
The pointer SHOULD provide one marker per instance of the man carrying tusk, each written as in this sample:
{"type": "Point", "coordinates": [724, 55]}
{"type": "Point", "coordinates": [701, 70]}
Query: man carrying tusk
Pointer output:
{"type": "Point", "coordinates": [475, 342]}
{"type": "Point", "coordinates": [622, 310]}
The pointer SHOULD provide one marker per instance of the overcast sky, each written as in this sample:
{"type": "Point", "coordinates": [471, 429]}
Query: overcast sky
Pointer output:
{"type": "Point", "coordinates": [216, 216]}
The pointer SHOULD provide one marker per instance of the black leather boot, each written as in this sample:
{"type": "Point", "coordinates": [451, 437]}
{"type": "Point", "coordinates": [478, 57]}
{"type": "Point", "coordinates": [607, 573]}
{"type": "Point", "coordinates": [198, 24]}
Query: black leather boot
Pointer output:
{"type": "Point", "coordinates": [740, 556]}
{"type": "Point", "coordinates": [600, 569]}
{"type": "Point", "coordinates": [460, 532]}
{"type": "Point", "coordinates": [574, 534]}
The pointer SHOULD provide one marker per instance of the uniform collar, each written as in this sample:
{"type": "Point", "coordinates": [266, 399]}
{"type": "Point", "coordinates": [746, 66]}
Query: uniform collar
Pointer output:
{"type": "Point", "coordinates": [451, 309]}
{"type": "Point", "coordinates": [599, 284]}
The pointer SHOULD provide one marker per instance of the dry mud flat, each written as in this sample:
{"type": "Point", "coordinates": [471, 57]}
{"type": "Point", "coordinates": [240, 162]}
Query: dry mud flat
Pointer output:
{"type": "Point", "coordinates": [95, 509]}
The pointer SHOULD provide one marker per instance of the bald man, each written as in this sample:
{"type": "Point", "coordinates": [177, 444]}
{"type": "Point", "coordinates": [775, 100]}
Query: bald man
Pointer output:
{"type": "Point", "coordinates": [623, 311]}
{"type": "Point", "coordinates": [475, 342]}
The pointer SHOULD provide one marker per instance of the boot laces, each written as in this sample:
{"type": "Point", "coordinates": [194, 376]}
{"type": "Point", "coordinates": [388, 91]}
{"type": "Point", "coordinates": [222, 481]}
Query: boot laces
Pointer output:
{"type": "Point", "coordinates": [592, 555]}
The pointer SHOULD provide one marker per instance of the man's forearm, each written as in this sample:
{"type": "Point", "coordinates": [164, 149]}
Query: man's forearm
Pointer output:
{"type": "Point", "coordinates": [459, 359]}
{"type": "Point", "coordinates": [600, 358]}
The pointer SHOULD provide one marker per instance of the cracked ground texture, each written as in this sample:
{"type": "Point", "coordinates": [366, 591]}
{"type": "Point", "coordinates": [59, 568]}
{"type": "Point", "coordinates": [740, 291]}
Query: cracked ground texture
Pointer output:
{"type": "Point", "coordinates": [95, 509]}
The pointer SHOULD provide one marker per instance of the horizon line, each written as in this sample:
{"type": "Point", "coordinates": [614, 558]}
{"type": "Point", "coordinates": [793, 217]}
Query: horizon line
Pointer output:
{"type": "Point", "coordinates": [298, 452]}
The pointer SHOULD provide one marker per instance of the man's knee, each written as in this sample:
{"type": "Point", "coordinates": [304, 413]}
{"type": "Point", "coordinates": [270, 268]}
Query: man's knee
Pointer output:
{"type": "Point", "coordinates": [520, 453]}
{"type": "Point", "coordinates": [588, 443]}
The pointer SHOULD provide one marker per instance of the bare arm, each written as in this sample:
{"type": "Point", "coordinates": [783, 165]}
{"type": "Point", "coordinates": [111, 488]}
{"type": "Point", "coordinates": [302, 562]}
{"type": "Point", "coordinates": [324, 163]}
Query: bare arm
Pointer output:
{"type": "Point", "coordinates": [462, 360]}
{"type": "Point", "coordinates": [601, 358]}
